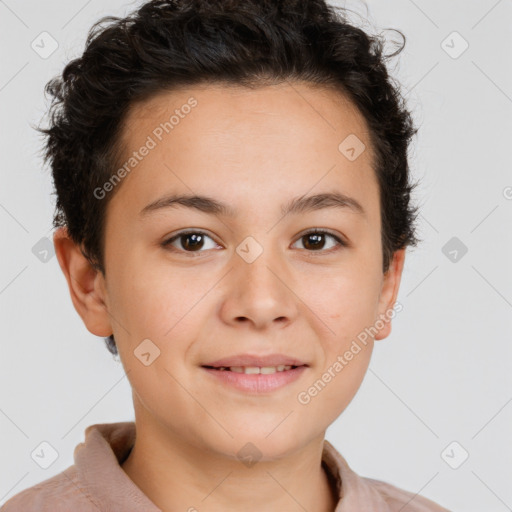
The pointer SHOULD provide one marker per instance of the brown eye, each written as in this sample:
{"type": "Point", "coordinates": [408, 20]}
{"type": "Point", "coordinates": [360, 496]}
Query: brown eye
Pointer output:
{"type": "Point", "coordinates": [190, 241]}
{"type": "Point", "coordinates": [316, 241]}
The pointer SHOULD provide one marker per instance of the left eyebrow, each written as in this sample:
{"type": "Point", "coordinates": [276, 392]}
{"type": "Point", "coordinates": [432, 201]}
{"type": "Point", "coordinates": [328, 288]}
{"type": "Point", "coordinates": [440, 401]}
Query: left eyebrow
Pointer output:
{"type": "Point", "coordinates": [297, 205]}
{"type": "Point", "coordinates": [319, 201]}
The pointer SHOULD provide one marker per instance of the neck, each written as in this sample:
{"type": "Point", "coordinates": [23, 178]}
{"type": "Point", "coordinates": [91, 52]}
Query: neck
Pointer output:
{"type": "Point", "coordinates": [175, 475]}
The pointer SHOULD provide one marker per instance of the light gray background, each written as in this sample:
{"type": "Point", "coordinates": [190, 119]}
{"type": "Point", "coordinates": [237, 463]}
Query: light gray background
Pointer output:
{"type": "Point", "coordinates": [444, 373]}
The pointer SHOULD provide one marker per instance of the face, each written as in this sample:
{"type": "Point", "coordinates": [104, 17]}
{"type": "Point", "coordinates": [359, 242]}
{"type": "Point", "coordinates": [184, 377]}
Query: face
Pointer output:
{"type": "Point", "coordinates": [200, 283]}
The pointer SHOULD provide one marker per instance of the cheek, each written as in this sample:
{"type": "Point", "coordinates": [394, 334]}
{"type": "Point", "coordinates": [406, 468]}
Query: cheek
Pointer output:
{"type": "Point", "coordinates": [152, 300]}
{"type": "Point", "coordinates": [348, 307]}
{"type": "Point", "coordinates": [333, 387]}
{"type": "Point", "coordinates": [348, 300]}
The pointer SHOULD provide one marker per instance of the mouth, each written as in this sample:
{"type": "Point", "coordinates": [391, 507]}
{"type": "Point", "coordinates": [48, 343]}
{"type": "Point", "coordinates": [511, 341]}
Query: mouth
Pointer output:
{"type": "Point", "coordinates": [256, 374]}
{"type": "Point", "coordinates": [254, 370]}
{"type": "Point", "coordinates": [278, 361]}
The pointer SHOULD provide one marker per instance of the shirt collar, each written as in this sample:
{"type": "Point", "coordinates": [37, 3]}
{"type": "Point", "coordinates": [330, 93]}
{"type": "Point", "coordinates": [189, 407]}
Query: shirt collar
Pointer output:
{"type": "Point", "coordinates": [354, 492]}
{"type": "Point", "coordinates": [98, 463]}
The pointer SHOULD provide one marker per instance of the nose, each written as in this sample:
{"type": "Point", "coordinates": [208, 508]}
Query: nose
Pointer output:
{"type": "Point", "coordinates": [259, 294]}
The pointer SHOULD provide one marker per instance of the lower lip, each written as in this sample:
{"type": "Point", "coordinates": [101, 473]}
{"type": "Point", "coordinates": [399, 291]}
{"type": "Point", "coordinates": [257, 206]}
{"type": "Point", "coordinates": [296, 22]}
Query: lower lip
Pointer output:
{"type": "Point", "coordinates": [259, 382]}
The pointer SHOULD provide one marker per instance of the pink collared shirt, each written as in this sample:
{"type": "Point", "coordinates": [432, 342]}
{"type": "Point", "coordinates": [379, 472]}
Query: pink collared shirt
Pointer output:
{"type": "Point", "coordinates": [96, 482]}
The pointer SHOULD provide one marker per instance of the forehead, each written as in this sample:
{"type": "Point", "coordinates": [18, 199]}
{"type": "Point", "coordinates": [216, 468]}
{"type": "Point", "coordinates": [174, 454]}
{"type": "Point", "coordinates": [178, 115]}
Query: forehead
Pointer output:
{"type": "Point", "coordinates": [278, 140]}
{"type": "Point", "coordinates": [217, 105]}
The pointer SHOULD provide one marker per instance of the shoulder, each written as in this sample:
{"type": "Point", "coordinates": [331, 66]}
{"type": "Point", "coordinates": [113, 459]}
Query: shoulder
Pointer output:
{"type": "Point", "coordinates": [60, 493]}
{"type": "Point", "coordinates": [397, 498]}
{"type": "Point", "coordinates": [363, 493]}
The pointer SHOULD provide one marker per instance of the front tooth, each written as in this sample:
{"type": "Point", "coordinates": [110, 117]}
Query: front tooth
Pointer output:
{"type": "Point", "coordinates": [256, 369]}
{"type": "Point", "coordinates": [252, 369]}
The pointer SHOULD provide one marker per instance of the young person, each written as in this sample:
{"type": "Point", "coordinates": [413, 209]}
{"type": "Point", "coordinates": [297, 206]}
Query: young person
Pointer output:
{"type": "Point", "coordinates": [233, 211]}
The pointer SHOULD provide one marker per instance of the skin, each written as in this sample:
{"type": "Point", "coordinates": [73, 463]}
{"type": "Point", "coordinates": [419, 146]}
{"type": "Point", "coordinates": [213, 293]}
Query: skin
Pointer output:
{"type": "Point", "coordinates": [254, 150]}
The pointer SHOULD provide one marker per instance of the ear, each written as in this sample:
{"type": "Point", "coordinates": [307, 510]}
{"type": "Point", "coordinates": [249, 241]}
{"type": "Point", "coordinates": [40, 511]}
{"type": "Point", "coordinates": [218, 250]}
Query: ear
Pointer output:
{"type": "Point", "coordinates": [389, 291]}
{"type": "Point", "coordinates": [86, 284]}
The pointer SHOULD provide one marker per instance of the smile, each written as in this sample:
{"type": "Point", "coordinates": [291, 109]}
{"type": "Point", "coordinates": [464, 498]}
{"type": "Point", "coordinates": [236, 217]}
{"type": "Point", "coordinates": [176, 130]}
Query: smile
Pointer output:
{"type": "Point", "coordinates": [255, 379]}
{"type": "Point", "coordinates": [254, 369]}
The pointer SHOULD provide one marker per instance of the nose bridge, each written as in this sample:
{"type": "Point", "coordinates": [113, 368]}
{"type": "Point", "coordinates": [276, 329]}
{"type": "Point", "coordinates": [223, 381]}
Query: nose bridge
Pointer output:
{"type": "Point", "coordinates": [258, 290]}
{"type": "Point", "coordinates": [257, 269]}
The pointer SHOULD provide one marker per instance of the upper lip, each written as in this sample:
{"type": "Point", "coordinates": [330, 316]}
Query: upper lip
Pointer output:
{"type": "Point", "coordinates": [255, 360]}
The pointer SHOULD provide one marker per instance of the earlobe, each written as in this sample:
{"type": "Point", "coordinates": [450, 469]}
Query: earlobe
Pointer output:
{"type": "Point", "coordinates": [389, 292]}
{"type": "Point", "coordinates": [83, 283]}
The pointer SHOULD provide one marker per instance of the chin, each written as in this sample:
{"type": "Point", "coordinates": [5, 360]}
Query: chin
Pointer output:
{"type": "Point", "coordinates": [269, 443]}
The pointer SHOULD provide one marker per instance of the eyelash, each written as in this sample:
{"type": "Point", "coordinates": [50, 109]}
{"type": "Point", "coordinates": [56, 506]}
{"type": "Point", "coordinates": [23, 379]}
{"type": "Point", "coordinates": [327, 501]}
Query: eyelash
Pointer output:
{"type": "Point", "coordinates": [167, 243]}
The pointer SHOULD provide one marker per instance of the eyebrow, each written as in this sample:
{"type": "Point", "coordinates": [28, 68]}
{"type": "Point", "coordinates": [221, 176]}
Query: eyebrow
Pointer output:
{"type": "Point", "coordinates": [297, 205]}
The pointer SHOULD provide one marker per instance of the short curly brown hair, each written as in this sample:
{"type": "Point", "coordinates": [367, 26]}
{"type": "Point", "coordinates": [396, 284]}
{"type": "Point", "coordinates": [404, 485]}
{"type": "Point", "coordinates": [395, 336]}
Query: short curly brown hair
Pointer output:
{"type": "Point", "coordinates": [171, 43]}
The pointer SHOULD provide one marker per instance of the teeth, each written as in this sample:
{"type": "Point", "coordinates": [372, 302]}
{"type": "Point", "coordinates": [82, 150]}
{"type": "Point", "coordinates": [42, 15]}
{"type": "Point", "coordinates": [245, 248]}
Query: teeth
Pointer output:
{"type": "Point", "coordinates": [257, 369]}
{"type": "Point", "coordinates": [251, 369]}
